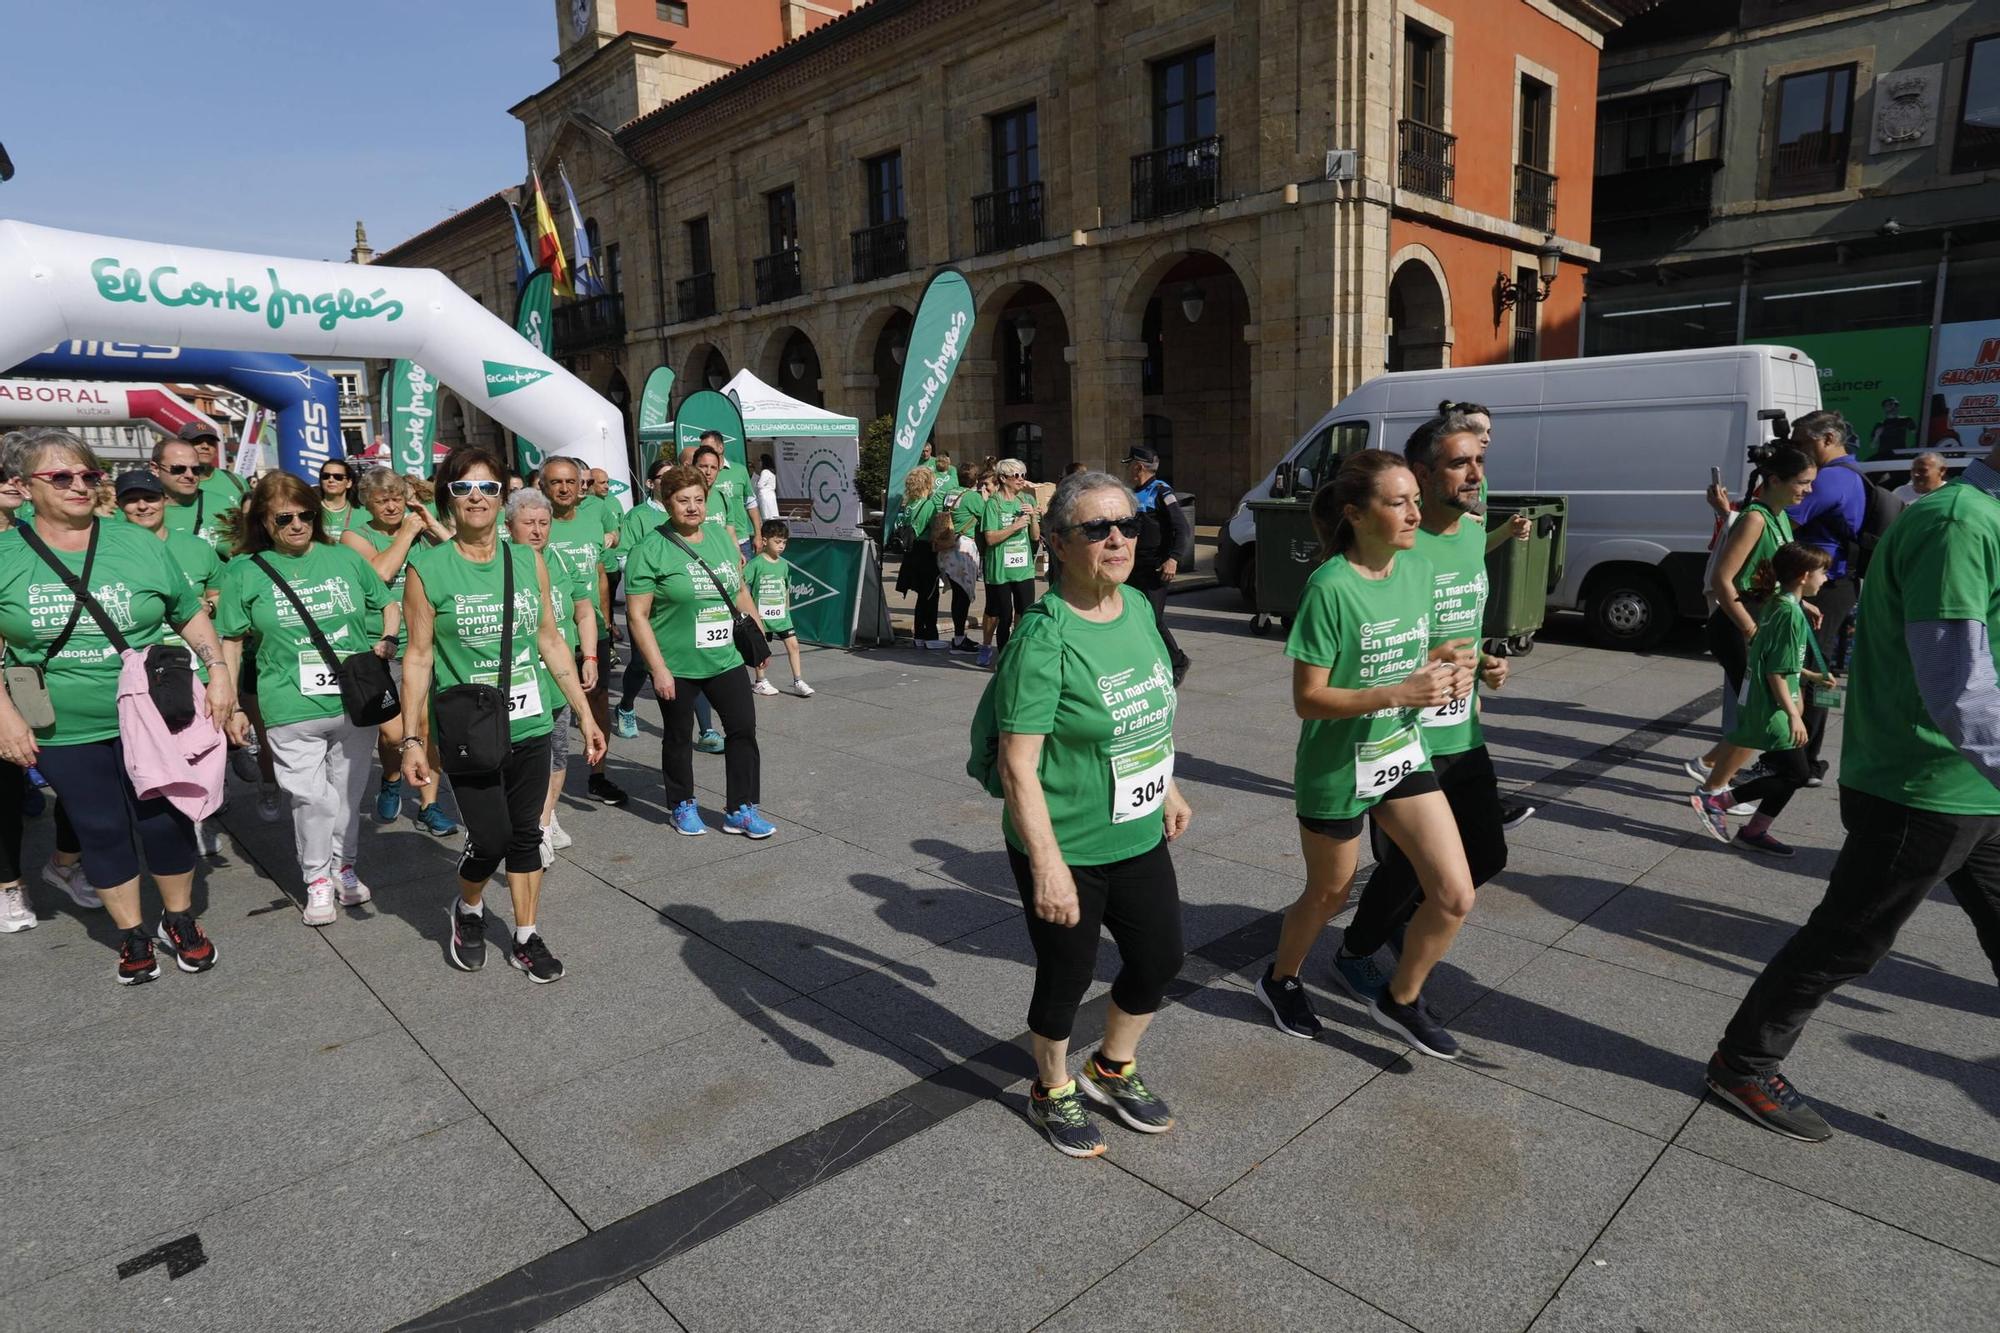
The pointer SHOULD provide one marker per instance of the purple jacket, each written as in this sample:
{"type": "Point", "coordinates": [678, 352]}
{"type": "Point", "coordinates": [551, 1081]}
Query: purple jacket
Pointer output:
{"type": "Point", "coordinates": [1832, 515]}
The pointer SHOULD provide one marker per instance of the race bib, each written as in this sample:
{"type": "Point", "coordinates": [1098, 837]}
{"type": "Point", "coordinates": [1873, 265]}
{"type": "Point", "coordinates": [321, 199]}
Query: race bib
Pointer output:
{"type": "Point", "coordinates": [524, 692]}
{"type": "Point", "coordinates": [1380, 765]}
{"type": "Point", "coordinates": [1139, 780]}
{"type": "Point", "coordinates": [1013, 559]}
{"type": "Point", "coordinates": [712, 628]}
{"type": "Point", "coordinates": [316, 678]}
{"type": "Point", "coordinates": [1447, 714]}
{"type": "Point", "coordinates": [770, 610]}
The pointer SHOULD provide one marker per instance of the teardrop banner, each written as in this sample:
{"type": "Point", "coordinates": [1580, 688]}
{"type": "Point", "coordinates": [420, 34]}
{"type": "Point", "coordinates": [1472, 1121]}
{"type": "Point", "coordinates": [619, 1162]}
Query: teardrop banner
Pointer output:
{"type": "Point", "coordinates": [938, 338]}
{"type": "Point", "coordinates": [531, 321]}
{"type": "Point", "coordinates": [707, 410]}
{"type": "Point", "coordinates": [656, 426]}
{"type": "Point", "coordinates": [58, 284]}
{"type": "Point", "coordinates": [413, 398]}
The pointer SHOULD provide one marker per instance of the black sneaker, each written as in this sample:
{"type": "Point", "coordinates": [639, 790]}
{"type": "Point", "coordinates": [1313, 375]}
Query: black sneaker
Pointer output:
{"type": "Point", "coordinates": [1291, 1008]}
{"type": "Point", "coordinates": [182, 936]}
{"type": "Point", "coordinates": [136, 963]}
{"type": "Point", "coordinates": [1059, 1114]}
{"type": "Point", "coordinates": [1180, 671]}
{"type": "Point", "coordinates": [1414, 1024]}
{"type": "Point", "coordinates": [468, 939]}
{"type": "Point", "coordinates": [533, 957]}
{"type": "Point", "coordinates": [606, 792]}
{"type": "Point", "coordinates": [964, 645]}
{"type": "Point", "coordinates": [1513, 814]}
{"type": "Point", "coordinates": [1818, 775]}
{"type": "Point", "coordinates": [1770, 1100]}
{"type": "Point", "coordinates": [1126, 1097]}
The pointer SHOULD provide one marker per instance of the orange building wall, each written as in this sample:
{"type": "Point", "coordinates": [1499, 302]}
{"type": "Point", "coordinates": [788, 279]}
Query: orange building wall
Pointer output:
{"type": "Point", "coordinates": [734, 31]}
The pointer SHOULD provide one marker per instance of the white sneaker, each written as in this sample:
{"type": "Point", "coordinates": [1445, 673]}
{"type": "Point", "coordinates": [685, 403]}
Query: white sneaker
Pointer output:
{"type": "Point", "coordinates": [270, 806]}
{"type": "Point", "coordinates": [318, 910]}
{"type": "Point", "coordinates": [558, 838]}
{"type": "Point", "coordinates": [1696, 769]}
{"type": "Point", "coordinates": [209, 835]}
{"type": "Point", "coordinates": [70, 880]}
{"type": "Point", "coordinates": [353, 892]}
{"type": "Point", "coordinates": [800, 688]}
{"type": "Point", "coordinates": [763, 687]}
{"type": "Point", "coordinates": [15, 914]}
{"type": "Point", "coordinates": [548, 848]}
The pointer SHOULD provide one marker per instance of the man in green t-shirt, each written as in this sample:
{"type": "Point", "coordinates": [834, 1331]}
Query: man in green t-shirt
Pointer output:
{"type": "Point", "coordinates": [1919, 785]}
{"type": "Point", "coordinates": [190, 508]}
{"type": "Point", "coordinates": [581, 528]}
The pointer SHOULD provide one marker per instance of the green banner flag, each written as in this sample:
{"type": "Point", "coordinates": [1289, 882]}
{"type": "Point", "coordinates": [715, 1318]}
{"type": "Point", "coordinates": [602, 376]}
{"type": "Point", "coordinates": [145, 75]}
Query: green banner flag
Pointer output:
{"type": "Point", "coordinates": [1860, 370]}
{"type": "Point", "coordinates": [827, 575]}
{"type": "Point", "coordinates": [532, 323]}
{"type": "Point", "coordinates": [656, 426]}
{"type": "Point", "coordinates": [939, 336]}
{"type": "Point", "coordinates": [412, 398]}
{"type": "Point", "coordinates": [708, 410]}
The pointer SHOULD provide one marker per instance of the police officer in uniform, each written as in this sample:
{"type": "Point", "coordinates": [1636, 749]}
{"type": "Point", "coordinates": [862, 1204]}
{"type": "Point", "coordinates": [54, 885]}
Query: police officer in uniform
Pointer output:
{"type": "Point", "coordinates": [1166, 543]}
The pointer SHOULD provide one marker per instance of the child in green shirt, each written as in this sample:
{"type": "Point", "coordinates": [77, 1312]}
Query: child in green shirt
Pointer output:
{"type": "Point", "coordinates": [769, 579]}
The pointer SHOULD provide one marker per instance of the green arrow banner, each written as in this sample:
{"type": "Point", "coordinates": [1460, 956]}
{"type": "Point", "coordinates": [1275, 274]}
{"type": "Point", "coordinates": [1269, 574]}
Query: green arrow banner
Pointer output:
{"type": "Point", "coordinates": [708, 410]}
{"type": "Point", "coordinates": [656, 425]}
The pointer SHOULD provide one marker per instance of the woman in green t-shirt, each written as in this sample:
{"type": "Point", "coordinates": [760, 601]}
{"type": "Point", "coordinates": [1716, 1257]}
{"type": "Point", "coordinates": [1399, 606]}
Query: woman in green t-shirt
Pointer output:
{"type": "Point", "coordinates": [1083, 706]}
{"type": "Point", "coordinates": [922, 510]}
{"type": "Point", "coordinates": [459, 615]}
{"type": "Point", "coordinates": [1009, 530]}
{"type": "Point", "coordinates": [336, 497]}
{"type": "Point", "coordinates": [1782, 477]}
{"type": "Point", "coordinates": [681, 625]}
{"type": "Point", "coordinates": [394, 528]}
{"type": "Point", "coordinates": [1362, 669]}
{"type": "Point", "coordinates": [573, 598]}
{"type": "Point", "coordinates": [320, 757]}
{"type": "Point", "coordinates": [135, 580]}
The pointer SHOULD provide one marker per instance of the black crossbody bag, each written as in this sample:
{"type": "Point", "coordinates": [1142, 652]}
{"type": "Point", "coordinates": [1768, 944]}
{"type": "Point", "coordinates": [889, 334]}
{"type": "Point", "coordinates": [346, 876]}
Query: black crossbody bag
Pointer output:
{"type": "Point", "coordinates": [367, 691]}
{"type": "Point", "coordinates": [471, 720]}
{"type": "Point", "coordinates": [748, 635]}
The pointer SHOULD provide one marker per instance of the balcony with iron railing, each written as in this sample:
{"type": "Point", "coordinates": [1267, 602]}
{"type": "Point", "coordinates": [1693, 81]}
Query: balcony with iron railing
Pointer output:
{"type": "Point", "coordinates": [1813, 163]}
{"type": "Point", "coordinates": [779, 277]}
{"type": "Point", "coordinates": [1007, 218]}
{"type": "Point", "coordinates": [1534, 197]}
{"type": "Point", "coordinates": [1425, 159]}
{"type": "Point", "coordinates": [1179, 179]}
{"type": "Point", "coordinates": [588, 321]}
{"type": "Point", "coordinates": [694, 297]}
{"type": "Point", "coordinates": [882, 250]}
{"type": "Point", "coordinates": [353, 405]}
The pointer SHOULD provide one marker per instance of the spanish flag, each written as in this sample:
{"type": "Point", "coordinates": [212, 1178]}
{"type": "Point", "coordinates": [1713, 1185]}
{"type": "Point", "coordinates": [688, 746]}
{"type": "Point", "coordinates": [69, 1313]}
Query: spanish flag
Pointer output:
{"type": "Point", "coordinates": [548, 246]}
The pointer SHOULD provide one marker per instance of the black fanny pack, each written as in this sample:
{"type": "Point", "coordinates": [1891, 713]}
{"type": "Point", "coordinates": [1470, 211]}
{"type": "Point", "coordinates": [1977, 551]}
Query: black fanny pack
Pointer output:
{"type": "Point", "coordinates": [367, 691]}
{"type": "Point", "coordinates": [473, 735]}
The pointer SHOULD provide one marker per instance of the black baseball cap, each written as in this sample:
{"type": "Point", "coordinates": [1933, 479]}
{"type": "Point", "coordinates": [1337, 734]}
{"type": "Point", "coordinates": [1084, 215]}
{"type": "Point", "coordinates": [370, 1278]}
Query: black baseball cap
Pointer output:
{"type": "Point", "coordinates": [1141, 454]}
{"type": "Point", "coordinates": [195, 431]}
{"type": "Point", "coordinates": [139, 482]}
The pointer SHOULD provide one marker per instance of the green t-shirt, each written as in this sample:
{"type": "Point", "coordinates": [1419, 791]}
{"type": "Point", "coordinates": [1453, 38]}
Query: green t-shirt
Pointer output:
{"type": "Point", "coordinates": [1458, 610]}
{"type": "Point", "coordinates": [567, 587]}
{"type": "Point", "coordinates": [203, 569]}
{"type": "Point", "coordinates": [1102, 698]}
{"type": "Point", "coordinates": [771, 588]}
{"type": "Point", "coordinates": [382, 541]}
{"type": "Point", "coordinates": [971, 508]}
{"type": "Point", "coordinates": [464, 598]}
{"type": "Point", "coordinates": [922, 514]}
{"type": "Point", "coordinates": [1777, 531]}
{"type": "Point", "coordinates": [141, 588]}
{"type": "Point", "coordinates": [730, 497]}
{"type": "Point", "coordinates": [636, 525]}
{"type": "Point", "coordinates": [1367, 632]}
{"type": "Point", "coordinates": [691, 616]}
{"type": "Point", "coordinates": [1011, 561]}
{"type": "Point", "coordinates": [202, 517]}
{"type": "Point", "coordinates": [1939, 561]}
{"type": "Point", "coordinates": [580, 538]}
{"type": "Point", "coordinates": [947, 476]}
{"type": "Point", "coordinates": [1779, 649]}
{"type": "Point", "coordinates": [337, 521]}
{"type": "Point", "coordinates": [345, 597]}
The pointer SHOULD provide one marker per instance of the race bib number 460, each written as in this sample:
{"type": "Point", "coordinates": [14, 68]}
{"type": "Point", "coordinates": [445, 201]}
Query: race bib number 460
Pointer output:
{"type": "Point", "coordinates": [770, 610]}
{"type": "Point", "coordinates": [1139, 780]}
{"type": "Point", "coordinates": [1380, 765]}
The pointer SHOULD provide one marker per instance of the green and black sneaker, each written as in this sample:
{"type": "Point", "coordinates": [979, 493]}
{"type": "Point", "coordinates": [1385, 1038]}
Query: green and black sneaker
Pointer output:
{"type": "Point", "coordinates": [1059, 1114]}
{"type": "Point", "coordinates": [1125, 1096]}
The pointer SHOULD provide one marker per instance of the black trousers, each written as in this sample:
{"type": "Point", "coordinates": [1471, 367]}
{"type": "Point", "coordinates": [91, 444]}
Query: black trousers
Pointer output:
{"type": "Point", "coordinates": [1138, 900]}
{"type": "Point", "coordinates": [503, 813]}
{"type": "Point", "coordinates": [1008, 602]}
{"type": "Point", "coordinates": [1148, 582]}
{"type": "Point", "coordinates": [1835, 601]}
{"type": "Point", "coordinates": [1893, 857]}
{"type": "Point", "coordinates": [13, 787]}
{"type": "Point", "coordinates": [920, 576]}
{"type": "Point", "coordinates": [961, 608]}
{"type": "Point", "coordinates": [1785, 772]}
{"type": "Point", "coordinates": [741, 763]}
{"type": "Point", "coordinates": [1392, 893]}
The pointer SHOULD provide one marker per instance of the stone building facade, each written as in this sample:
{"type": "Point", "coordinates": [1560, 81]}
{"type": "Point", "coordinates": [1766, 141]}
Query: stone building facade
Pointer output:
{"type": "Point", "coordinates": [1184, 222]}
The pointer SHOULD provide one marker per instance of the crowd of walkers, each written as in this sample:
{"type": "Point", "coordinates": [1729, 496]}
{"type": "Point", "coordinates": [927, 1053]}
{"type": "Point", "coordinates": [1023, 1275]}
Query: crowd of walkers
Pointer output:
{"type": "Point", "coordinates": [459, 630]}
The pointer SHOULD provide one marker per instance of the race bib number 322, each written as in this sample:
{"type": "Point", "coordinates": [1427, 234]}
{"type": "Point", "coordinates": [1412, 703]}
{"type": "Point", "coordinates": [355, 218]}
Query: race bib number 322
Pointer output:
{"type": "Point", "coordinates": [316, 678]}
{"type": "Point", "coordinates": [712, 628]}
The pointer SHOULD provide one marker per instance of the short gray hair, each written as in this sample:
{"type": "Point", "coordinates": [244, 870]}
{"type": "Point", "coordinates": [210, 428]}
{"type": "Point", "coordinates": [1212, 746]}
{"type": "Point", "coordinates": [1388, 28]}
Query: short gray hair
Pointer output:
{"type": "Point", "coordinates": [26, 450]}
{"type": "Point", "coordinates": [528, 498]}
{"type": "Point", "coordinates": [582, 468]}
{"type": "Point", "coordinates": [1071, 490]}
{"type": "Point", "coordinates": [1929, 455]}
{"type": "Point", "coordinates": [375, 481]}
{"type": "Point", "coordinates": [1823, 423]}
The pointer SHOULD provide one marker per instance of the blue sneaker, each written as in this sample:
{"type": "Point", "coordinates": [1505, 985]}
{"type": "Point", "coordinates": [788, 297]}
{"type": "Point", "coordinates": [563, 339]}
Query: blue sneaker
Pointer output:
{"type": "Point", "coordinates": [687, 819]}
{"type": "Point", "coordinates": [389, 802]}
{"type": "Point", "coordinates": [1360, 977]}
{"type": "Point", "coordinates": [625, 721]}
{"type": "Point", "coordinates": [986, 656]}
{"type": "Point", "coordinates": [709, 742]}
{"type": "Point", "coordinates": [33, 802]}
{"type": "Point", "coordinates": [745, 820]}
{"type": "Point", "coordinates": [35, 776]}
{"type": "Point", "coordinates": [433, 819]}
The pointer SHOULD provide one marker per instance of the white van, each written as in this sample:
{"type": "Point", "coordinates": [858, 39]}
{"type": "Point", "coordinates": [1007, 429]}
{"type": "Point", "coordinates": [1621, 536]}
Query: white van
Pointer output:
{"type": "Point", "coordinates": [1629, 439]}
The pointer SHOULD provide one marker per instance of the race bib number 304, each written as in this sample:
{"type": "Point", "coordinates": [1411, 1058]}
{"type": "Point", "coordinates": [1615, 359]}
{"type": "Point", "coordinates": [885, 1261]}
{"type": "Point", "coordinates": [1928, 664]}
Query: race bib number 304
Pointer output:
{"type": "Point", "coordinates": [1139, 780]}
{"type": "Point", "coordinates": [1380, 765]}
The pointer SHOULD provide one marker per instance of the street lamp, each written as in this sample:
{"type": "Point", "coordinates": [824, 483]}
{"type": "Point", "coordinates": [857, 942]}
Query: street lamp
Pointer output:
{"type": "Point", "coordinates": [1191, 303]}
{"type": "Point", "coordinates": [1024, 331]}
{"type": "Point", "coordinates": [1548, 260]}
{"type": "Point", "coordinates": [898, 350]}
{"type": "Point", "coordinates": [796, 367]}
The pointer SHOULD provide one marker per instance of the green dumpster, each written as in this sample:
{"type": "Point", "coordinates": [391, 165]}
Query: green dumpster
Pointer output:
{"type": "Point", "coordinates": [1520, 575]}
{"type": "Point", "coordinates": [1287, 554]}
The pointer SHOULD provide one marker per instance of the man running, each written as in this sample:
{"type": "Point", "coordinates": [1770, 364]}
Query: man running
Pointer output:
{"type": "Point", "coordinates": [1919, 786]}
{"type": "Point", "coordinates": [1166, 542]}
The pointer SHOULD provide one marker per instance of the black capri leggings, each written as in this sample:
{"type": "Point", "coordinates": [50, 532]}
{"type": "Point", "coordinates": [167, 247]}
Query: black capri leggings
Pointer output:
{"type": "Point", "coordinates": [110, 818]}
{"type": "Point", "coordinates": [1139, 902]}
{"type": "Point", "coordinates": [1785, 772]}
{"type": "Point", "coordinates": [741, 764]}
{"type": "Point", "coordinates": [1008, 602]}
{"type": "Point", "coordinates": [503, 813]}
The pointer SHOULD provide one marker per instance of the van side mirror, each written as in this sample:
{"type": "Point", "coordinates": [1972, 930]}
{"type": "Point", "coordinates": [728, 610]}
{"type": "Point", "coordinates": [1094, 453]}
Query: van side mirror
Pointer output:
{"type": "Point", "coordinates": [1281, 481]}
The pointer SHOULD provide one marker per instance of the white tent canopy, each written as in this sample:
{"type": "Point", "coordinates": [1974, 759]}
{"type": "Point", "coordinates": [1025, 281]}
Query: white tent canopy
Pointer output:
{"type": "Point", "coordinates": [769, 414]}
{"type": "Point", "coordinates": [817, 453]}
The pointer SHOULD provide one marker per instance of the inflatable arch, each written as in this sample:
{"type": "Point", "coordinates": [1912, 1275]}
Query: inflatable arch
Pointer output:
{"type": "Point", "coordinates": [81, 403]}
{"type": "Point", "coordinates": [306, 399]}
{"type": "Point", "coordinates": [58, 286]}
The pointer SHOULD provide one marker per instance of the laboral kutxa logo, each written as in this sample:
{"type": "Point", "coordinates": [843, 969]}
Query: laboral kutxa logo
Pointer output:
{"type": "Point", "coordinates": [502, 378]}
{"type": "Point", "coordinates": [276, 302]}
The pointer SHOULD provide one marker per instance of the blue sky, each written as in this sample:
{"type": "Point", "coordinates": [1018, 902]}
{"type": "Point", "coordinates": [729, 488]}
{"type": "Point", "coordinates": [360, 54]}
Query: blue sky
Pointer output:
{"type": "Point", "coordinates": [265, 127]}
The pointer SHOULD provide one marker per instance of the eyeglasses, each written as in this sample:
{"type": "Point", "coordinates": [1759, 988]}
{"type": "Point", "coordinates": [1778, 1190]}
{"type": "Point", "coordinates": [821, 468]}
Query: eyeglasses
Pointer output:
{"type": "Point", "coordinates": [177, 469]}
{"type": "Point", "coordinates": [461, 489]}
{"type": "Point", "coordinates": [1099, 529]}
{"type": "Point", "coordinates": [63, 479]}
{"type": "Point", "coordinates": [299, 516]}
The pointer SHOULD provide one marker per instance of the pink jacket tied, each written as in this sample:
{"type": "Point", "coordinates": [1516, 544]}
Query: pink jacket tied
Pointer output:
{"type": "Point", "coordinates": [186, 768]}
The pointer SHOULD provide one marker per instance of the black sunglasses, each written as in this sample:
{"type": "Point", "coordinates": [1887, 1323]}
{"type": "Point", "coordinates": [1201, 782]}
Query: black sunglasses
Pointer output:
{"type": "Point", "coordinates": [178, 469]}
{"type": "Point", "coordinates": [1099, 529]}
{"type": "Point", "coordinates": [286, 520]}
{"type": "Point", "coordinates": [335, 476]}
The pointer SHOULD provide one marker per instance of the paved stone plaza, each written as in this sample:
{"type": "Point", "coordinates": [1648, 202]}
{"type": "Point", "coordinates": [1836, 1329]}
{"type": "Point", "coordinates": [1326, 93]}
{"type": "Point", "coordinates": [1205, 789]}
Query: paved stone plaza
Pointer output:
{"type": "Point", "coordinates": [779, 1088]}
